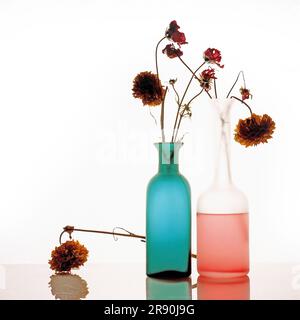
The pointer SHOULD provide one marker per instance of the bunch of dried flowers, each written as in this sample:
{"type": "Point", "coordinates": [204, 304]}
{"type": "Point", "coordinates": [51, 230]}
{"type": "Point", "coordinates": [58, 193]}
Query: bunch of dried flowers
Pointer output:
{"type": "Point", "coordinates": [148, 87]}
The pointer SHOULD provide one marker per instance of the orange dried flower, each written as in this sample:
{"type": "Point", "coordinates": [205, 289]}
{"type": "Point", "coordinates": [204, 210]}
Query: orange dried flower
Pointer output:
{"type": "Point", "coordinates": [148, 88]}
{"type": "Point", "coordinates": [254, 130]}
{"type": "Point", "coordinates": [67, 256]}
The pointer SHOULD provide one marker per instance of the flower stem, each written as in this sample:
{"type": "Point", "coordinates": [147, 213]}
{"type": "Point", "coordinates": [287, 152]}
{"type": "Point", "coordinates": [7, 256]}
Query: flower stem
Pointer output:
{"type": "Point", "coordinates": [177, 95]}
{"type": "Point", "coordinates": [162, 111]}
{"type": "Point", "coordinates": [197, 95]}
{"type": "Point", "coordinates": [162, 116]}
{"type": "Point", "coordinates": [189, 67]}
{"type": "Point", "coordinates": [71, 229]}
{"type": "Point", "coordinates": [208, 94]}
{"type": "Point", "coordinates": [182, 99]}
{"type": "Point", "coordinates": [243, 102]}
{"type": "Point", "coordinates": [235, 82]}
{"type": "Point", "coordinates": [156, 60]}
{"type": "Point", "coordinates": [152, 116]}
{"type": "Point", "coordinates": [182, 114]}
{"type": "Point", "coordinates": [215, 87]}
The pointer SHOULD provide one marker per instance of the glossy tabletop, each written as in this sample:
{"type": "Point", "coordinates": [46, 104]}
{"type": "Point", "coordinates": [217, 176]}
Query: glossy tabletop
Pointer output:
{"type": "Point", "coordinates": [128, 281]}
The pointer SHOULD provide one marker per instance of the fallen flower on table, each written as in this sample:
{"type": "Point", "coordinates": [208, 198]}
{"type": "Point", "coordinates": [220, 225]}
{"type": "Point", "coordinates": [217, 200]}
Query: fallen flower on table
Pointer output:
{"type": "Point", "coordinates": [69, 255]}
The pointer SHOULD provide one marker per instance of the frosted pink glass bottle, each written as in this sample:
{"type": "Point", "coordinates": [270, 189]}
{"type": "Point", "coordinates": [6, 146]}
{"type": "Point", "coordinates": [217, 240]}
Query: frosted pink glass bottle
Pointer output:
{"type": "Point", "coordinates": [222, 213]}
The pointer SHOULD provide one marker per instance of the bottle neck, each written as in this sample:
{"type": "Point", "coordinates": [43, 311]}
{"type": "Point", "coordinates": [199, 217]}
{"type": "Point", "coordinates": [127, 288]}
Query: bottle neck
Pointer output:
{"type": "Point", "coordinates": [223, 174]}
{"type": "Point", "coordinates": [168, 157]}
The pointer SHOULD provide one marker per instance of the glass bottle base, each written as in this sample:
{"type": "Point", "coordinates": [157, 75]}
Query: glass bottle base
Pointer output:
{"type": "Point", "coordinates": [170, 274]}
{"type": "Point", "coordinates": [223, 275]}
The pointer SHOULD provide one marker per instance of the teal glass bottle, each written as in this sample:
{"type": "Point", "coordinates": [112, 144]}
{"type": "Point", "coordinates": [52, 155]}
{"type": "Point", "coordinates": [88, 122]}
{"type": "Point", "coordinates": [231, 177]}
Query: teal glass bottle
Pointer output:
{"type": "Point", "coordinates": [168, 218]}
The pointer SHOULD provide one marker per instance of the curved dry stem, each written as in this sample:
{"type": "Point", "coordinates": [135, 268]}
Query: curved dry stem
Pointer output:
{"type": "Point", "coordinates": [156, 50]}
{"type": "Point", "coordinates": [182, 99]}
{"type": "Point", "coordinates": [71, 229]}
{"type": "Point", "coordinates": [243, 102]}
{"type": "Point", "coordinates": [162, 116]}
{"type": "Point", "coordinates": [152, 116]}
{"type": "Point", "coordinates": [235, 82]}
{"type": "Point", "coordinates": [176, 93]}
{"type": "Point", "coordinates": [181, 116]}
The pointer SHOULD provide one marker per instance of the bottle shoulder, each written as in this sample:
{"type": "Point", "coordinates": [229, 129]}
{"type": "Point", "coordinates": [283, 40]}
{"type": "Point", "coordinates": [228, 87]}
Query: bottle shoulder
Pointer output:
{"type": "Point", "coordinates": [163, 178]}
{"type": "Point", "coordinates": [224, 200]}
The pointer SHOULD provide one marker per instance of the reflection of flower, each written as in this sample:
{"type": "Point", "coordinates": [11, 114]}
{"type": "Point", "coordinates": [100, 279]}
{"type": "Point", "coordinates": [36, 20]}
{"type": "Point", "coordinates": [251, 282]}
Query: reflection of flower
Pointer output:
{"type": "Point", "coordinates": [147, 86]}
{"type": "Point", "coordinates": [172, 52]}
{"type": "Point", "coordinates": [254, 130]}
{"type": "Point", "coordinates": [245, 93]}
{"type": "Point", "coordinates": [213, 56]}
{"type": "Point", "coordinates": [68, 287]}
{"type": "Point", "coordinates": [174, 34]}
{"type": "Point", "coordinates": [67, 256]}
{"type": "Point", "coordinates": [206, 78]}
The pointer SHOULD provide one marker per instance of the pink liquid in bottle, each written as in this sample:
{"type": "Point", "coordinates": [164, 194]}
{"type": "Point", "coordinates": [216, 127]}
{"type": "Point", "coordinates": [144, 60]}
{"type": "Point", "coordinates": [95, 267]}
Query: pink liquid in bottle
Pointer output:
{"type": "Point", "coordinates": [223, 245]}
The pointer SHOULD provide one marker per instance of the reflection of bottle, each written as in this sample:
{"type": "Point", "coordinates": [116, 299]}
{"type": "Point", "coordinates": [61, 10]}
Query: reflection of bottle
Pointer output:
{"type": "Point", "coordinates": [68, 287]}
{"type": "Point", "coordinates": [223, 289]}
{"type": "Point", "coordinates": [158, 289]}
{"type": "Point", "coordinates": [222, 214]}
{"type": "Point", "coordinates": [168, 218]}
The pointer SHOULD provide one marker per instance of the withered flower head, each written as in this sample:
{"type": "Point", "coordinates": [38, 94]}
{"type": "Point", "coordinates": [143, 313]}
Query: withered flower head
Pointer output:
{"type": "Point", "coordinates": [172, 81]}
{"type": "Point", "coordinates": [254, 130]}
{"type": "Point", "coordinates": [147, 86]}
{"type": "Point", "coordinates": [245, 93]}
{"type": "Point", "coordinates": [186, 111]}
{"type": "Point", "coordinates": [213, 56]}
{"type": "Point", "coordinates": [67, 256]}
{"type": "Point", "coordinates": [173, 33]}
{"type": "Point", "coordinates": [171, 51]}
{"type": "Point", "coordinates": [206, 78]}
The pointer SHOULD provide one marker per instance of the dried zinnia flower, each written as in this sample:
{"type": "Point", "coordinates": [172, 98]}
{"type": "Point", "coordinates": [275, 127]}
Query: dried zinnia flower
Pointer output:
{"type": "Point", "coordinates": [206, 78]}
{"type": "Point", "coordinates": [147, 86]}
{"type": "Point", "coordinates": [254, 130]}
{"type": "Point", "coordinates": [213, 56]}
{"type": "Point", "coordinates": [172, 52]}
{"type": "Point", "coordinates": [245, 93]}
{"type": "Point", "coordinates": [67, 256]}
{"type": "Point", "coordinates": [174, 34]}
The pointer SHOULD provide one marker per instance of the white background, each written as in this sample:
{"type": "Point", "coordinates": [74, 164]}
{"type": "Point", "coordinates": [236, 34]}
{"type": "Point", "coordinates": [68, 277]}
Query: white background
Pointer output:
{"type": "Point", "coordinates": [76, 147]}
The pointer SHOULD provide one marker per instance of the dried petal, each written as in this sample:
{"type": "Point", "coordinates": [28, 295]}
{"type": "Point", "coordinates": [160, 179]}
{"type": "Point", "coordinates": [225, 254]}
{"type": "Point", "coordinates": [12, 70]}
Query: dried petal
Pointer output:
{"type": "Point", "coordinates": [213, 56]}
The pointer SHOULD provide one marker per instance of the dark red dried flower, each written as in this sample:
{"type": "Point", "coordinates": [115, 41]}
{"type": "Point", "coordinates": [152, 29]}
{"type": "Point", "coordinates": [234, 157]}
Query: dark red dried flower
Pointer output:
{"type": "Point", "coordinates": [245, 93]}
{"type": "Point", "coordinates": [213, 56]}
{"type": "Point", "coordinates": [171, 51]}
{"type": "Point", "coordinates": [174, 34]}
{"type": "Point", "coordinates": [147, 86]}
{"type": "Point", "coordinates": [254, 130]}
{"type": "Point", "coordinates": [206, 78]}
{"type": "Point", "coordinates": [67, 256]}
